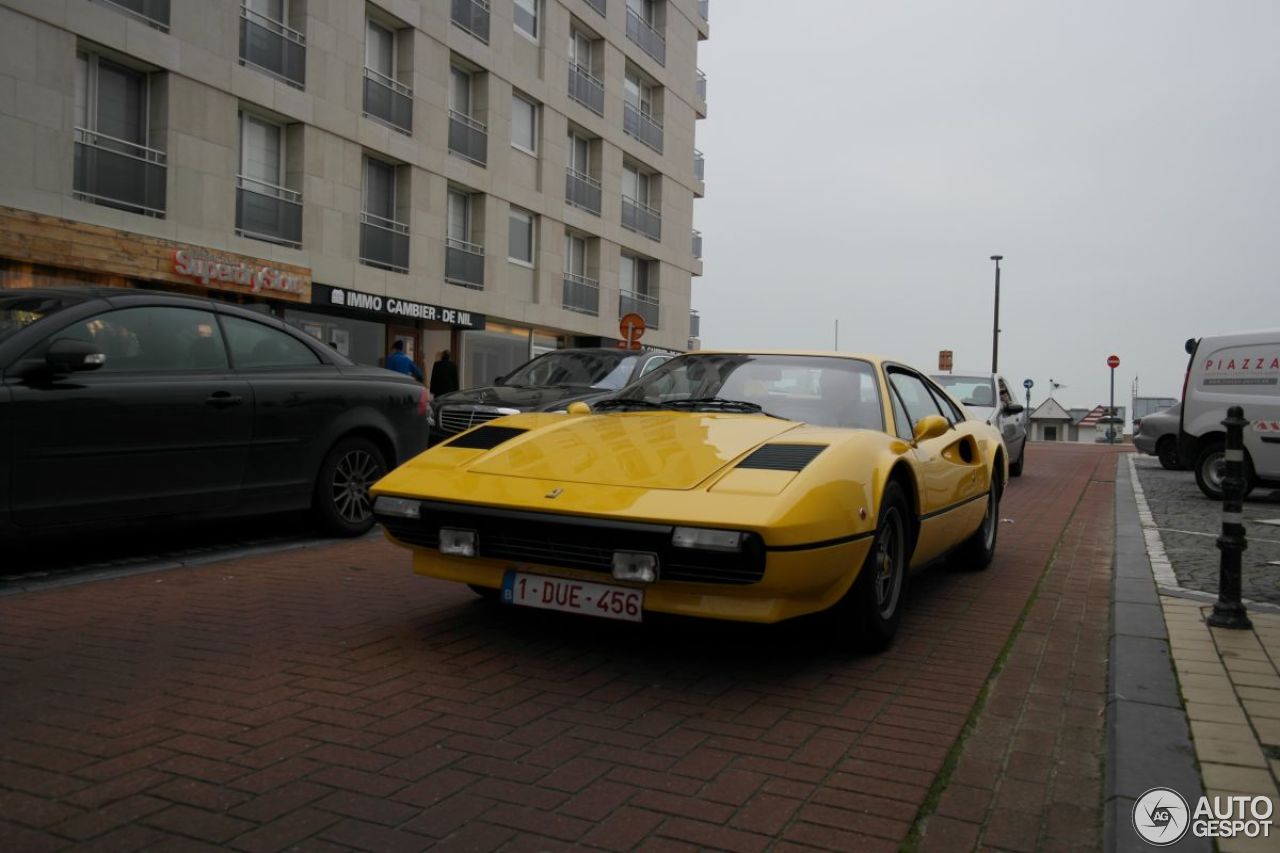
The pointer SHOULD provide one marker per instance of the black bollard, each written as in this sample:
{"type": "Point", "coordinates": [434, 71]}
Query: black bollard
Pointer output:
{"type": "Point", "coordinates": [1229, 611]}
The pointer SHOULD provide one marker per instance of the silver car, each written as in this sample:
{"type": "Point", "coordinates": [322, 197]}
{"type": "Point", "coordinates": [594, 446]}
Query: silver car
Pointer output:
{"type": "Point", "coordinates": [988, 398]}
{"type": "Point", "coordinates": [1157, 435]}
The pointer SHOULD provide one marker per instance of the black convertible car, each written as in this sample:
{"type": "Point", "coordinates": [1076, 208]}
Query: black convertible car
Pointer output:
{"type": "Point", "coordinates": [120, 405]}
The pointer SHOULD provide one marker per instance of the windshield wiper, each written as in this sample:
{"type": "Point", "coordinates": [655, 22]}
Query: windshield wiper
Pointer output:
{"type": "Point", "coordinates": [624, 403]}
{"type": "Point", "coordinates": [719, 404]}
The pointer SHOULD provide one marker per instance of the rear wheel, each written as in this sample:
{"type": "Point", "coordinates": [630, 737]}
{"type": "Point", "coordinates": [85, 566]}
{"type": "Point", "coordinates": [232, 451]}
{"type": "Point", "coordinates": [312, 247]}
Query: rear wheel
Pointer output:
{"type": "Point", "coordinates": [1211, 469]}
{"type": "Point", "coordinates": [873, 606]}
{"type": "Point", "coordinates": [1167, 453]}
{"type": "Point", "coordinates": [341, 499]}
{"type": "Point", "coordinates": [1015, 468]}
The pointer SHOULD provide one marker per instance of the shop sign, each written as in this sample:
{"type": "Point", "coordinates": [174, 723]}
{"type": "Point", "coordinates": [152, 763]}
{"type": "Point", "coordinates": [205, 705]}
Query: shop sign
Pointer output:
{"type": "Point", "coordinates": [391, 307]}
{"type": "Point", "coordinates": [209, 269]}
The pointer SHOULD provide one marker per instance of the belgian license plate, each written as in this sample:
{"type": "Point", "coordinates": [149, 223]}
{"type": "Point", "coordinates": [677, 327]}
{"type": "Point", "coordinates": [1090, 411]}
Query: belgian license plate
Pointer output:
{"type": "Point", "coordinates": [573, 596]}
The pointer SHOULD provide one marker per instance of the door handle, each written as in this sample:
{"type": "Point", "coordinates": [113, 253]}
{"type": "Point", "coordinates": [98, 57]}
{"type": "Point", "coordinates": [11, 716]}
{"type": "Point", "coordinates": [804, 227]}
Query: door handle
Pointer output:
{"type": "Point", "coordinates": [223, 399]}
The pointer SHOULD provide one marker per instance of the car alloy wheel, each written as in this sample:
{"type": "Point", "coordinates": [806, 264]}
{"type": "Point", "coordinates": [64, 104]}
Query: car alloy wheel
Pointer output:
{"type": "Point", "coordinates": [888, 561]}
{"type": "Point", "coordinates": [352, 477]}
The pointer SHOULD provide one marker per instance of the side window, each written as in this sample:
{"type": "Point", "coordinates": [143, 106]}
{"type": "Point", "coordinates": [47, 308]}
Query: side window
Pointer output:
{"type": "Point", "coordinates": [949, 410]}
{"type": "Point", "coordinates": [254, 345]}
{"type": "Point", "coordinates": [656, 361]}
{"type": "Point", "coordinates": [915, 398]}
{"type": "Point", "coordinates": [153, 338]}
{"type": "Point", "coordinates": [901, 420]}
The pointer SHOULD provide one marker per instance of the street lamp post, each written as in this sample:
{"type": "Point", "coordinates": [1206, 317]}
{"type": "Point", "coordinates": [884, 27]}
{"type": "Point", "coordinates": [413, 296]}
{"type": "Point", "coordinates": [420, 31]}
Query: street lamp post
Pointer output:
{"type": "Point", "coordinates": [995, 325]}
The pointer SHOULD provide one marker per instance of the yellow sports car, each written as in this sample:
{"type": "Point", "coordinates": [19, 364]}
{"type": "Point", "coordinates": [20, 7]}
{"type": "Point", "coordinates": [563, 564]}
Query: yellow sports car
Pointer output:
{"type": "Point", "coordinates": [731, 485]}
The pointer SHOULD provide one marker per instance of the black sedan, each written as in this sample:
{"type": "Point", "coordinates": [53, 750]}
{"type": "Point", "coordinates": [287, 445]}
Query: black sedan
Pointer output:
{"type": "Point", "coordinates": [549, 382]}
{"type": "Point", "coordinates": [119, 405]}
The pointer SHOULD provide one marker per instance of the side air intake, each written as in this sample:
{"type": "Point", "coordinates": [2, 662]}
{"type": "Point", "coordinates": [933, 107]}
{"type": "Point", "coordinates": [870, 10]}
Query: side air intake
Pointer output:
{"type": "Point", "coordinates": [485, 437]}
{"type": "Point", "coordinates": [782, 457]}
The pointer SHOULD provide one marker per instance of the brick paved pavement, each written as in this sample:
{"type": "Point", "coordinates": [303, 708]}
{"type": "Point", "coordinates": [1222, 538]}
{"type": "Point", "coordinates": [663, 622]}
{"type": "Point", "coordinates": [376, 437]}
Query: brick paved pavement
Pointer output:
{"type": "Point", "coordinates": [329, 698]}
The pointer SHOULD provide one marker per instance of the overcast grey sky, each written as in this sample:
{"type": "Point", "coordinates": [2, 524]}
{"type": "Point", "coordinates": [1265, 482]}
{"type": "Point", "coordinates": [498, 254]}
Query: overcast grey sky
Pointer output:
{"type": "Point", "coordinates": [865, 159]}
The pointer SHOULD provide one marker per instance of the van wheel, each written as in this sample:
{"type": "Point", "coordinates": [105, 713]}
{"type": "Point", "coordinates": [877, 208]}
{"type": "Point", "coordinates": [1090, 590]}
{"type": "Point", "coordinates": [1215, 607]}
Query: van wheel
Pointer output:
{"type": "Point", "coordinates": [1211, 469]}
{"type": "Point", "coordinates": [1167, 453]}
{"type": "Point", "coordinates": [341, 500]}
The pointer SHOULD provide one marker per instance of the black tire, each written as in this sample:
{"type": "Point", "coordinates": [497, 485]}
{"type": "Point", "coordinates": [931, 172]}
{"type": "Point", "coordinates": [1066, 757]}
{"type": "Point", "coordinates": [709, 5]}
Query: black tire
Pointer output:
{"type": "Point", "coordinates": [979, 550]}
{"type": "Point", "coordinates": [1015, 469]}
{"type": "Point", "coordinates": [872, 608]}
{"type": "Point", "coordinates": [1210, 468]}
{"type": "Point", "coordinates": [341, 501]}
{"type": "Point", "coordinates": [488, 593]}
{"type": "Point", "coordinates": [1167, 453]}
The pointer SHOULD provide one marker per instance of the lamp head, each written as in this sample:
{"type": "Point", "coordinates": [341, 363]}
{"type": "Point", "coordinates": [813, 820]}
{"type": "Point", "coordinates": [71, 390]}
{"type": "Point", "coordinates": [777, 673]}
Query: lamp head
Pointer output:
{"type": "Point", "coordinates": [997, 257]}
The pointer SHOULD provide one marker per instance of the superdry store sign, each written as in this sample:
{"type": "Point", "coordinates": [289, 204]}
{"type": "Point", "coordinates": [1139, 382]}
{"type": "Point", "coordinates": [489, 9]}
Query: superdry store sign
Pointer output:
{"type": "Point", "coordinates": [391, 307]}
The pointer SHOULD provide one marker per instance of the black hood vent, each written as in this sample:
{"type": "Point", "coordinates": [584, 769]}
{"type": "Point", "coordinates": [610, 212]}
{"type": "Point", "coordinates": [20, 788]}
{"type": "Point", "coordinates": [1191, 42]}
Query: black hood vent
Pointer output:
{"type": "Point", "coordinates": [782, 457]}
{"type": "Point", "coordinates": [485, 437]}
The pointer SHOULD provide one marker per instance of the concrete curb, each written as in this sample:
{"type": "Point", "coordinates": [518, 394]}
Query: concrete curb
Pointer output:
{"type": "Point", "coordinates": [1148, 736]}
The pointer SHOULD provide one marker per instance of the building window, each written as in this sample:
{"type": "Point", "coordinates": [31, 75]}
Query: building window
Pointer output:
{"type": "Point", "coordinates": [638, 292]}
{"type": "Point", "coordinates": [384, 239]}
{"type": "Point", "coordinates": [524, 124]}
{"type": "Point", "coordinates": [639, 115]}
{"type": "Point", "coordinates": [581, 189]}
{"type": "Point", "coordinates": [385, 97]}
{"type": "Point", "coordinates": [115, 164]}
{"type": "Point", "coordinates": [526, 17]}
{"type": "Point", "coordinates": [644, 27]}
{"type": "Point", "coordinates": [468, 137]}
{"type": "Point", "coordinates": [267, 43]}
{"type": "Point", "coordinates": [640, 203]}
{"type": "Point", "coordinates": [520, 245]}
{"type": "Point", "coordinates": [581, 293]}
{"type": "Point", "coordinates": [265, 208]}
{"type": "Point", "coordinates": [585, 85]}
{"type": "Point", "coordinates": [154, 13]}
{"type": "Point", "coordinates": [464, 259]}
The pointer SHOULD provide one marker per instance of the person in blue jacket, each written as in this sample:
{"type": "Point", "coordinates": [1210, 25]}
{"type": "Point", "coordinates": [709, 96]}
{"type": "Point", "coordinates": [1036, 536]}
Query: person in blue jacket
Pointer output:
{"type": "Point", "coordinates": [401, 363]}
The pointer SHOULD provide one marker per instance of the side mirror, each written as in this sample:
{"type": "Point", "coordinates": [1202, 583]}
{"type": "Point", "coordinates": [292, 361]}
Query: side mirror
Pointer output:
{"type": "Point", "coordinates": [70, 356]}
{"type": "Point", "coordinates": [498, 380]}
{"type": "Point", "coordinates": [930, 426]}
{"type": "Point", "coordinates": [1013, 409]}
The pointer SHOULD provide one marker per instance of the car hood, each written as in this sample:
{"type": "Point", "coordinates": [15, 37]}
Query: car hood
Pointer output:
{"type": "Point", "coordinates": [526, 398]}
{"type": "Point", "coordinates": [650, 450]}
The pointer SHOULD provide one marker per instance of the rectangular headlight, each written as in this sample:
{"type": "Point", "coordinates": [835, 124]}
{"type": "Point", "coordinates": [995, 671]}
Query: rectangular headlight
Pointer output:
{"type": "Point", "coordinates": [710, 540]}
{"type": "Point", "coordinates": [457, 543]}
{"type": "Point", "coordinates": [401, 507]}
{"type": "Point", "coordinates": [639, 566]}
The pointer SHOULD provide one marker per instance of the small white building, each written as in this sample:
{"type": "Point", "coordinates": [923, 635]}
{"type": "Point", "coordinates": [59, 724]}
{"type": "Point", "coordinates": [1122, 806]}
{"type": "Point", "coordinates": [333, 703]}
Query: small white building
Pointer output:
{"type": "Point", "coordinates": [1052, 422]}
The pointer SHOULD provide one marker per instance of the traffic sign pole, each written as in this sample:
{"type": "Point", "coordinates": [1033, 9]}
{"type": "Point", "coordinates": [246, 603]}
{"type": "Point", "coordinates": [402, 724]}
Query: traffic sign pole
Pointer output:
{"type": "Point", "coordinates": [1028, 384]}
{"type": "Point", "coordinates": [1113, 362]}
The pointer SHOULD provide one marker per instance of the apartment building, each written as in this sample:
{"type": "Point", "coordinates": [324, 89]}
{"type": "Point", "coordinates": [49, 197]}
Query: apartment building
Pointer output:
{"type": "Point", "coordinates": [495, 177]}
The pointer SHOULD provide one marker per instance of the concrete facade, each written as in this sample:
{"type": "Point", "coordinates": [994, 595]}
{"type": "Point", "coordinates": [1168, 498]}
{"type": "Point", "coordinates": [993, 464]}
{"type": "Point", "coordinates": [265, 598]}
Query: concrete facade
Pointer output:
{"type": "Point", "coordinates": [200, 85]}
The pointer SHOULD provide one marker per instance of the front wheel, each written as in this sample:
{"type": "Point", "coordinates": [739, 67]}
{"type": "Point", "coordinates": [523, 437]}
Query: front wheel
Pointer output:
{"type": "Point", "coordinates": [979, 550]}
{"type": "Point", "coordinates": [1211, 470]}
{"type": "Point", "coordinates": [871, 610]}
{"type": "Point", "coordinates": [341, 500]}
{"type": "Point", "coordinates": [1167, 453]}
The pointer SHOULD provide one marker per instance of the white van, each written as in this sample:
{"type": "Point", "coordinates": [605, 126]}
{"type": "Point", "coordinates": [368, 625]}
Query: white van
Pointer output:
{"type": "Point", "coordinates": [1241, 369]}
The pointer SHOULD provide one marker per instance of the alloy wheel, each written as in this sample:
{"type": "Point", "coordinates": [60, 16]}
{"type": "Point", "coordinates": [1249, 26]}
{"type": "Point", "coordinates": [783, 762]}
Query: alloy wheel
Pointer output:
{"type": "Point", "coordinates": [352, 476]}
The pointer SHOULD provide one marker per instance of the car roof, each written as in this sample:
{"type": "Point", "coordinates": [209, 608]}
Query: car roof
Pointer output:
{"type": "Point", "coordinates": [804, 353]}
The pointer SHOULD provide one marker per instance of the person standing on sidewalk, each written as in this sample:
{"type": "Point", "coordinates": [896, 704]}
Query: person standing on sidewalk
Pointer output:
{"type": "Point", "coordinates": [444, 375]}
{"type": "Point", "coordinates": [401, 363]}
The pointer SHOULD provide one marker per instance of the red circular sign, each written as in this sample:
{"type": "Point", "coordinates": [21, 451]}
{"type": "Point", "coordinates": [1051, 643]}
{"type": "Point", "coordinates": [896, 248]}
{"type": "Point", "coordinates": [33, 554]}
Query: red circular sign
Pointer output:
{"type": "Point", "coordinates": [1113, 362]}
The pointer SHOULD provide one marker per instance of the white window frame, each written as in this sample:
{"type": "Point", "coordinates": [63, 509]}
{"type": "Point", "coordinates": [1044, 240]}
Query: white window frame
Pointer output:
{"type": "Point", "coordinates": [577, 37]}
{"type": "Point", "coordinates": [370, 23]}
{"type": "Point", "coordinates": [583, 168]}
{"type": "Point", "coordinates": [532, 218]}
{"type": "Point", "coordinates": [644, 190]}
{"type": "Point", "coordinates": [537, 19]}
{"type": "Point", "coordinates": [533, 119]}
{"type": "Point", "coordinates": [644, 92]}
{"type": "Point", "coordinates": [90, 105]}
{"type": "Point", "coordinates": [245, 118]}
{"type": "Point", "coordinates": [364, 193]}
{"type": "Point", "coordinates": [471, 81]}
{"type": "Point", "coordinates": [466, 216]}
{"type": "Point", "coordinates": [570, 239]}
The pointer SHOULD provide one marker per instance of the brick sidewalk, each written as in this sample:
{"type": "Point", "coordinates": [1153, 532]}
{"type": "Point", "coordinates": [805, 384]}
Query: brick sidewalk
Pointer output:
{"type": "Point", "coordinates": [332, 699]}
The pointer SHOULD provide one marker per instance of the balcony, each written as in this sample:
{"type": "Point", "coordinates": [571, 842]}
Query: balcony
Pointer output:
{"type": "Point", "coordinates": [700, 93]}
{"type": "Point", "coordinates": [388, 101]}
{"type": "Point", "coordinates": [646, 306]}
{"type": "Point", "coordinates": [472, 16]}
{"type": "Point", "coordinates": [384, 243]}
{"type": "Point", "coordinates": [154, 13]}
{"type": "Point", "coordinates": [598, 5]}
{"type": "Point", "coordinates": [641, 218]}
{"type": "Point", "coordinates": [704, 9]}
{"type": "Point", "coordinates": [468, 138]}
{"type": "Point", "coordinates": [586, 89]}
{"type": "Point", "coordinates": [582, 191]}
{"type": "Point", "coordinates": [268, 212]}
{"type": "Point", "coordinates": [649, 39]}
{"type": "Point", "coordinates": [581, 294]}
{"type": "Point", "coordinates": [697, 244]}
{"type": "Point", "coordinates": [699, 165]}
{"type": "Point", "coordinates": [117, 173]}
{"type": "Point", "coordinates": [642, 126]}
{"type": "Point", "coordinates": [270, 46]}
{"type": "Point", "coordinates": [695, 324]}
{"type": "Point", "coordinates": [464, 264]}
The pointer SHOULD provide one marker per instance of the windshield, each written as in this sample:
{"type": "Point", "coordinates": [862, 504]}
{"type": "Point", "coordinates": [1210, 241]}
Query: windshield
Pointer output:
{"type": "Point", "coordinates": [18, 311]}
{"type": "Point", "coordinates": [970, 390]}
{"type": "Point", "coordinates": [605, 370]}
{"type": "Point", "coordinates": [821, 390]}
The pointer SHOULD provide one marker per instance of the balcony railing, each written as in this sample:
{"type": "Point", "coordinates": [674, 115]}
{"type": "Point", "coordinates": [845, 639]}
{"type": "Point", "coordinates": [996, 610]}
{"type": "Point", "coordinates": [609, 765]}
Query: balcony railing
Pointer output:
{"type": "Point", "coordinates": [384, 243]}
{"type": "Point", "coordinates": [472, 16]}
{"type": "Point", "coordinates": [152, 12]}
{"type": "Point", "coordinates": [700, 86]}
{"type": "Point", "coordinates": [699, 165]}
{"type": "Point", "coordinates": [582, 191]}
{"type": "Point", "coordinates": [586, 88]}
{"type": "Point", "coordinates": [271, 46]}
{"type": "Point", "coordinates": [120, 174]}
{"type": "Point", "coordinates": [464, 264]}
{"type": "Point", "coordinates": [388, 101]}
{"type": "Point", "coordinates": [598, 5]}
{"type": "Point", "coordinates": [642, 126]}
{"type": "Point", "coordinates": [268, 212]}
{"type": "Point", "coordinates": [649, 39]}
{"type": "Point", "coordinates": [695, 324]}
{"type": "Point", "coordinates": [581, 294]}
{"type": "Point", "coordinates": [704, 8]}
{"type": "Point", "coordinates": [468, 138]}
{"type": "Point", "coordinates": [646, 306]}
{"type": "Point", "coordinates": [697, 244]}
{"type": "Point", "coordinates": [640, 217]}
